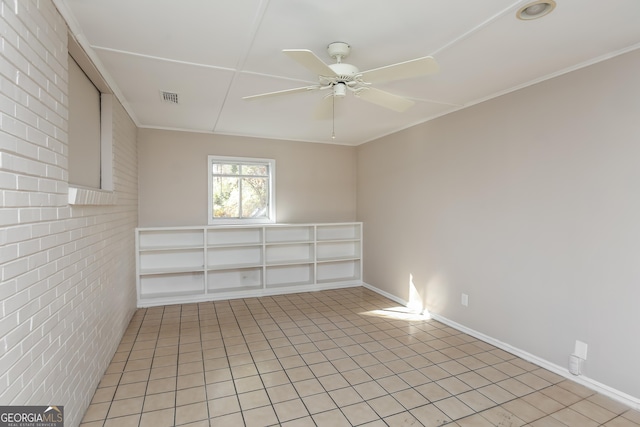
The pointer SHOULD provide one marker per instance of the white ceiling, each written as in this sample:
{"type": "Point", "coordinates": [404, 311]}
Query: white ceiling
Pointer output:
{"type": "Point", "coordinates": [214, 52]}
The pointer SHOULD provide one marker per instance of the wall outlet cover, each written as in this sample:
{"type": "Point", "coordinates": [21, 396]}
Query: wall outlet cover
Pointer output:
{"type": "Point", "coordinates": [581, 350]}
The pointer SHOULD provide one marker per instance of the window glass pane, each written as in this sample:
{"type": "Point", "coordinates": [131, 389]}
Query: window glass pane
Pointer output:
{"type": "Point", "coordinates": [226, 197]}
{"type": "Point", "coordinates": [255, 196]}
{"type": "Point", "coordinates": [225, 169]}
{"type": "Point", "coordinates": [241, 190]}
{"type": "Point", "coordinates": [261, 170]}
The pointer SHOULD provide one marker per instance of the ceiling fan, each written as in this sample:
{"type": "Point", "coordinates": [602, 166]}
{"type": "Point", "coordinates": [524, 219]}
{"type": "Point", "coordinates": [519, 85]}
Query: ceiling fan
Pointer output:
{"type": "Point", "coordinates": [341, 77]}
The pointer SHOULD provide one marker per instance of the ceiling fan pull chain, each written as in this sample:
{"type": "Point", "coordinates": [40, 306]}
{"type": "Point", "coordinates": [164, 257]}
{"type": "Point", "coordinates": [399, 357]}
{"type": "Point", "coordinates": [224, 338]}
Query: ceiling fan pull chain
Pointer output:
{"type": "Point", "coordinates": [333, 117]}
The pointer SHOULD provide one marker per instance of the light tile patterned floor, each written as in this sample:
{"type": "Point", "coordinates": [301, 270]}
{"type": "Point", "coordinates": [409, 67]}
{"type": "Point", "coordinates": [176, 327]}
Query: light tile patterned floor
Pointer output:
{"type": "Point", "coordinates": [331, 358]}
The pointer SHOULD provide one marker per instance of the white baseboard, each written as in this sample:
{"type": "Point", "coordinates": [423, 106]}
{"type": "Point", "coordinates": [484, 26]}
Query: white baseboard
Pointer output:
{"type": "Point", "coordinates": [604, 389]}
{"type": "Point", "coordinates": [386, 294]}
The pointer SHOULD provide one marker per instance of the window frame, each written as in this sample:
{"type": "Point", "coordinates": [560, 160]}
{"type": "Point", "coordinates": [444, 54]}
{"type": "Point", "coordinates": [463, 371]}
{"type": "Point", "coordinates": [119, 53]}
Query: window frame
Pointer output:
{"type": "Point", "coordinates": [271, 211]}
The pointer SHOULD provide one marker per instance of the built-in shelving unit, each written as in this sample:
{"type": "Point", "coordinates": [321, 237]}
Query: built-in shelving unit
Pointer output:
{"type": "Point", "coordinates": [177, 265]}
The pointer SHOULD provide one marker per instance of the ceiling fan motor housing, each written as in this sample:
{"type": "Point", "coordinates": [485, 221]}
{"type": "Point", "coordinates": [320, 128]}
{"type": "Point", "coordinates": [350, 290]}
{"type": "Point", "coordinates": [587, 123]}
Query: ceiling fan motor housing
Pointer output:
{"type": "Point", "coordinates": [344, 72]}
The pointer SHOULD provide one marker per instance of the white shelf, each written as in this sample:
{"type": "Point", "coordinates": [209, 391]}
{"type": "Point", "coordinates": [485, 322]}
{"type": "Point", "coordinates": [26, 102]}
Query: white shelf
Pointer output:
{"type": "Point", "coordinates": [337, 258]}
{"type": "Point", "coordinates": [233, 236]}
{"type": "Point", "coordinates": [178, 259]}
{"type": "Point", "coordinates": [290, 275]}
{"type": "Point", "coordinates": [235, 245]}
{"type": "Point", "coordinates": [163, 239]}
{"type": "Point", "coordinates": [169, 270]}
{"type": "Point", "coordinates": [169, 248]}
{"type": "Point", "coordinates": [338, 250]}
{"type": "Point", "coordinates": [235, 279]}
{"type": "Point", "coordinates": [338, 271]}
{"type": "Point", "coordinates": [289, 234]}
{"type": "Point", "coordinates": [289, 254]}
{"type": "Point", "coordinates": [171, 284]}
{"type": "Point", "coordinates": [233, 266]}
{"type": "Point", "coordinates": [171, 294]}
{"type": "Point", "coordinates": [193, 264]}
{"type": "Point", "coordinates": [221, 257]}
{"type": "Point", "coordinates": [349, 231]}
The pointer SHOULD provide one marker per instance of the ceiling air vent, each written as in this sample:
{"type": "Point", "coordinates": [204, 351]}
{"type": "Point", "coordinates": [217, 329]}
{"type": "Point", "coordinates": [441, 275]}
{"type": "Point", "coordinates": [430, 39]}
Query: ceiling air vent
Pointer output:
{"type": "Point", "coordinates": [170, 97]}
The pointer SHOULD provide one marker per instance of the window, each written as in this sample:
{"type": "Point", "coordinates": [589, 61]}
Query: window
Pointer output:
{"type": "Point", "coordinates": [90, 131]}
{"type": "Point", "coordinates": [241, 190]}
{"type": "Point", "coordinates": [84, 129]}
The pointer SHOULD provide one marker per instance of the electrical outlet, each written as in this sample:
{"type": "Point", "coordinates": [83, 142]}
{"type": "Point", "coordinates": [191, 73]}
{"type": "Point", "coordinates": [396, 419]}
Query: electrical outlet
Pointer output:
{"type": "Point", "coordinates": [577, 359]}
{"type": "Point", "coordinates": [581, 350]}
{"type": "Point", "coordinates": [464, 300]}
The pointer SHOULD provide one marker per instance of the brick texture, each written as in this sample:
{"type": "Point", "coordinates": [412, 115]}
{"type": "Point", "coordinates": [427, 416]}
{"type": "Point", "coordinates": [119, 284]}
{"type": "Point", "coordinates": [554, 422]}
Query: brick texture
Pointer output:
{"type": "Point", "coordinates": [67, 289]}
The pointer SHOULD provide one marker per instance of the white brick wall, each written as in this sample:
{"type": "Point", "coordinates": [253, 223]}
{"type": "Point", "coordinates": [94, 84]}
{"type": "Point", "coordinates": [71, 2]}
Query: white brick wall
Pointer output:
{"type": "Point", "coordinates": [67, 273]}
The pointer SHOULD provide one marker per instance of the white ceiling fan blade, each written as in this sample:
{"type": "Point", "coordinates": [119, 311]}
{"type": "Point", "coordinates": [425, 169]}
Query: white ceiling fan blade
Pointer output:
{"type": "Point", "coordinates": [385, 99]}
{"type": "Point", "coordinates": [402, 70]}
{"type": "Point", "coordinates": [309, 60]}
{"type": "Point", "coordinates": [281, 92]}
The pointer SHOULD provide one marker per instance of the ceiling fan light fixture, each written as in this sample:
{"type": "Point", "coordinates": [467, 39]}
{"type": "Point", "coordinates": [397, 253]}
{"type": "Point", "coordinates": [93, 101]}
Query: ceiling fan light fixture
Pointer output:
{"type": "Point", "coordinates": [536, 9]}
{"type": "Point", "coordinates": [340, 89]}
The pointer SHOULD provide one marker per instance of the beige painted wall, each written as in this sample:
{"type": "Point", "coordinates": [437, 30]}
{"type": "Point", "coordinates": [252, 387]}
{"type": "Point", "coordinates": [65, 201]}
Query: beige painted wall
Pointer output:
{"type": "Point", "coordinates": [528, 203]}
{"type": "Point", "coordinates": [314, 182]}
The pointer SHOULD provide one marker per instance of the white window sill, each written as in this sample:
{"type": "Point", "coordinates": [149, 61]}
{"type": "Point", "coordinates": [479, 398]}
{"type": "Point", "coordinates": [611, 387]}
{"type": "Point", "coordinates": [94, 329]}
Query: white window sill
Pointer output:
{"type": "Point", "coordinates": [91, 197]}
